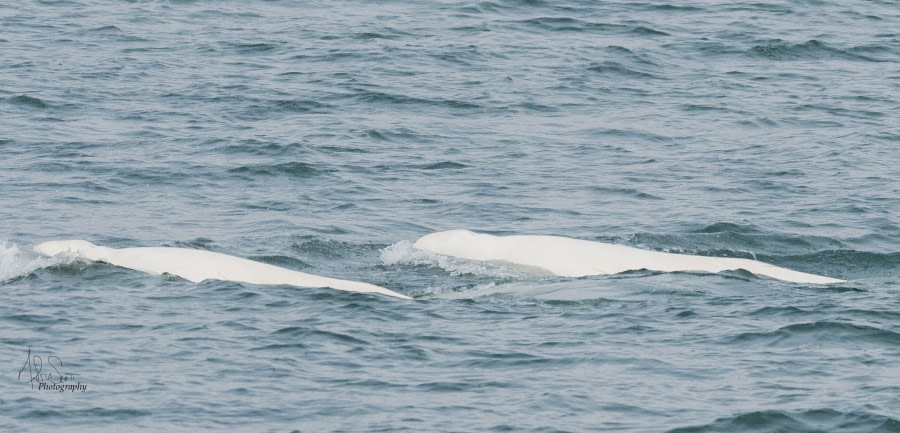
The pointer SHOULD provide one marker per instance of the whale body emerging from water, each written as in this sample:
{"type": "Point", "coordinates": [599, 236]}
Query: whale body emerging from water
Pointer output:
{"type": "Point", "coordinates": [199, 265]}
{"type": "Point", "coordinates": [569, 257]}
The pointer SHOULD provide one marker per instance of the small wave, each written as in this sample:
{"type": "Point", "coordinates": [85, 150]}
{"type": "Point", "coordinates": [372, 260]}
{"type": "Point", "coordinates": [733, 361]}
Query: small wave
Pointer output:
{"type": "Point", "coordinates": [618, 69]}
{"type": "Point", "coordinates": [817, 420]}
{"type": "Point", "coordinates": [303, 106]}
{"type": "Point", "coordinates": [821, 333]}
{"type": "Point", "coordinates": [814, 254]}
{"type": "Point", "coordinates": [568, 24]}
{"type": "Point", "coordinates": [444, 165]}
{"type": "Point", "coordinates": [291, 169]}
{"type": "Point", "coordinates": [847, 263]}
{"type": "Point", "coordinates": [327, 248]}
{"type": "Point", "coordinates": [196, 243]}
{"type": "Point", "coordinates": [398, 99]}
{"type": "Point", "coordinates": [372, 35]}
{"type": "Point", "coordinates": [397, 135]}
{"type": "Point", "coordinates": [107, 29]}
{"type": "Point", "coordinates": [15, 264]}
{"type": "Point", "coordinates": [28, 101]}
{"type": "Point", "coordinates": [810, 50]}
{"type": "Point", "coordinates": [624, 192]}
{"type": "Point", "coordinates": [723, 227]}
{"type": "Point", "coordinates": [250, 48]}
{"type": "Point", "coordinates": [90, 414]}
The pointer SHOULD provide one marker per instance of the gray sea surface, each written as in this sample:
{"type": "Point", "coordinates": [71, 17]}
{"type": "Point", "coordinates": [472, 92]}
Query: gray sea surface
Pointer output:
{"type": "Point", "coordinates": [327, 136]}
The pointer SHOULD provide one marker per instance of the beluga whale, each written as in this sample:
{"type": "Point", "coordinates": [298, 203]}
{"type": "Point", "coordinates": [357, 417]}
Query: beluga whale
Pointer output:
{"type": "Point", "coordinates": [567, 257]}
{"type": "Point", "coordinates": [199, 265]}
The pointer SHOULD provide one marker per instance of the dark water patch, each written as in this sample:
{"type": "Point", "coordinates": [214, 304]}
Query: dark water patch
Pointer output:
{"type": "Point", "coordinates": [605, 191]}
{"type": "Point", "coordinates": [49, 119]}
{"type": "Point", "coordinates": [250, 48]}
{"type": "Point", "coordinates": [838, 288]}
{"type": "Point", "coordinates": [626, 135]}
{"type": "Point", "coordinates": [611, 68]}
{"type": "Point", "coordinates": [318, 247]}
{"type": "Point", "coordinates": [839, 111]}
{"type": "Point", "coordinates": [590, 304]}
{"type": "Point", "coordinates": [268, 205]}
{"type": "Point", "coordinates": [686, 314]}
{"type": "Point", "coordinates": [399, 135]}
{"type": "Point", "coordinates": [341, 149]}
{"type": "Point", "coordinates": [247, 295]}
{"type": "Point", "coordinates": [532, 106]}
{"type": "Point", "coordinates": [372, 36]}
{"type": "Point", "coordinates": [260, 147]}
{"type": "Point", "coordinates": [885, 314]}
{"type": "Point", "coordinates": [282, 261]}
{"type": "Point", "coordinates": [757, 247]}
{"type": "Point", "coordinates": [709, 48]}
{"type": "Point", "coordinates": [76, 267]}
{"type": "Point", "coordinates": [672, 8]}
{"type": "Point", "coordinates": [290, 347]}
{"type": "Point", "coordinates": [107, 29]}
{"type": "Point", "coordinates": [809, 421]}
{"type": "Point", "coordinates": [308, 335]}
{"type": "Point", "coordinates": [456, 387]}
{"type": "Point", "coordinates": [556, 24]}
{"type": "Point", "coordinates": [35, 319]}
{"type": "Point", "coordinates": [374, 97]}
{"type": "Point", "coordinates": [293, 169]}
{"type": "Point", "coordinates": [84, 416]}
{"type": "Point", "coordinates": [757, 7]}
{"type": "Point", "coordinates": [788, 311]}
{"type": "Point", "coordinates": [113, 33]}
{"type": "Point", "coordinates": [194, 244]}
{"type": "Point", "coordinates": [647, 31]}
{"type": "Point", "coordinates": [749, 241]}
{"type": "Point", "coordinates": [444, 165]}
{"type": "Point", "coordinates": [28, 102]}
{"type": "Point", "coordinates": [810, 50]}
{"type": "Point", "coordinates": [116, 327]}
{"type": "Point", "coordinates": [820, 333]}
{"type": "Point", "coordinates": [846, 263]}
{"type": "Point", "coordinates": [289, 106]}
{"type": "Point", "coordinates": [723, 227]}
{"type": "Point", "coordinates": [162, 175]}
{"type": "Point", "coordinates": [484, 359]}
{"type": "Point", "coordinates": [60, 3]}
{"type": "Point", "coordinates": [702, 108]}
{"type": "Point", "coordinates": [108, 414]}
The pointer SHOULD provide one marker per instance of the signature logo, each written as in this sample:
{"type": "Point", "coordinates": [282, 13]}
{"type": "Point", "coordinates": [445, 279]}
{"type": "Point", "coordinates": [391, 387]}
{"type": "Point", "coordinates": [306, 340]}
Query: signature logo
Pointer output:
{"type": "Point", "coordinates": [48, 378]}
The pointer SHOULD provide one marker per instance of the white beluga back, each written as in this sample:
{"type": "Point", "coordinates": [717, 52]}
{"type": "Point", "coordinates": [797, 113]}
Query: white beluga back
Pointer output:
{"type": "Point", "coordinates": [199, 265]}
{"type": "Point", "coordinates": [569, 257]}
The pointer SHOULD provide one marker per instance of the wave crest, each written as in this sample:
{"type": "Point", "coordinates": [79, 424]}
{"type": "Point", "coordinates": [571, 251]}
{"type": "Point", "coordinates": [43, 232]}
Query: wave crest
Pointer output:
{"type": "Point", "coordinates": [15, 264]}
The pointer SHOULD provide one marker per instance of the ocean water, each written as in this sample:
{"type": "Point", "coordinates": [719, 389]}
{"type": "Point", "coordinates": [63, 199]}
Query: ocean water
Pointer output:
{"type": "Point", "coordinates": [327, 136]}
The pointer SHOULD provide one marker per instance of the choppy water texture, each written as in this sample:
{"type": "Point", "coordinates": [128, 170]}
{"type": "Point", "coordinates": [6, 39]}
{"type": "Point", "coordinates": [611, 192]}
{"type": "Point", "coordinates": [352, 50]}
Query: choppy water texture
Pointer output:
{"type": "Point", "coordinates": [326, 136]}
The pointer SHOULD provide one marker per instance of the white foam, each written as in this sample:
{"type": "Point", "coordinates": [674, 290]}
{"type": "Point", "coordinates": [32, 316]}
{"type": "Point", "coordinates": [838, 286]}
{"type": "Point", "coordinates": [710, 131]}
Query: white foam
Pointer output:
{"type": "Point", "coordinates": [15, 264]}
{"type": "Point", "coordinates": [403, 253]}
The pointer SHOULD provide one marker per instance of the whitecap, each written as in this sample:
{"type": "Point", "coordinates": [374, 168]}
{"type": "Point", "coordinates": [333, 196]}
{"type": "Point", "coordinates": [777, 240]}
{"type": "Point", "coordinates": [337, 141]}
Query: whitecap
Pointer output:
{"type": "Point", "coordinates": [16, 264]}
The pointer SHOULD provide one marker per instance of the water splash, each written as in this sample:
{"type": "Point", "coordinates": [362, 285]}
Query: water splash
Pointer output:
{"type": "Point", "coordinates": [16, 264]}
{"type": "Point", "coordinates": [404, 254]}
